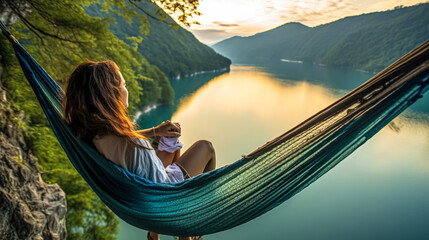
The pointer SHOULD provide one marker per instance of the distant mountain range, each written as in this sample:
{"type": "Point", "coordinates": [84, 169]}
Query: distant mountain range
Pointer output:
{"type": "Point", "coordinates": [175, 52]}
{"type": "Point", "coordinates": [368, 42]}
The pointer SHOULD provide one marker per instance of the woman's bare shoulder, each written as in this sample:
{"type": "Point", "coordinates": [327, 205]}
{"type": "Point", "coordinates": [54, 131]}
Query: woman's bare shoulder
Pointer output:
{"type": "Point", "coordinates": [111, 139]}
{"type": "Point", "coordinates": [108, 138]}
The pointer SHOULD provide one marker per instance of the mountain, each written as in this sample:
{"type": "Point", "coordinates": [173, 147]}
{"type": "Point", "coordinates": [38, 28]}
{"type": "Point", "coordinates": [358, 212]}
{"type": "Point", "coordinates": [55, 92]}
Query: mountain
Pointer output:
{"type": "Point", "coordinates": [175, 52]}
{"type": "Point", "coordinates": [369, 42]}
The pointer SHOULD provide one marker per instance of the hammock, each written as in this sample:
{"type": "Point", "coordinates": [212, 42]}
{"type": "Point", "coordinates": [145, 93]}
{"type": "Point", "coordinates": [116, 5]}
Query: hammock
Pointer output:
{"type": "Point", "coordinates": [232, 195]}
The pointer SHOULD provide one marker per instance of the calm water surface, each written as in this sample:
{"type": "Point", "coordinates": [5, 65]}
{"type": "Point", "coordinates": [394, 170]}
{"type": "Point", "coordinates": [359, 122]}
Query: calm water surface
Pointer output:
{"type": "Point", "coordinates": [381, 191]}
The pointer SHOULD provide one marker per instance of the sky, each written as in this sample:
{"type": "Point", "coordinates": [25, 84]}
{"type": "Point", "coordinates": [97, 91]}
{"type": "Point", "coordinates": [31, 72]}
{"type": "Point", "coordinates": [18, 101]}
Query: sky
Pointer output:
{"type": "Point", "coordinates": [222, 19]}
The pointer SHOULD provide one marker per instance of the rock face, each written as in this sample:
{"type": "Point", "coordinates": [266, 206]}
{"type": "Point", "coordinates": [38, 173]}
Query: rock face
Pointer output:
{"type": "Point", "coordinates": [29, 208]}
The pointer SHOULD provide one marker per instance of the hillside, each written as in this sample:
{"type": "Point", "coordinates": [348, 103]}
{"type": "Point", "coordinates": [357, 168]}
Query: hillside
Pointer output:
{"type": "Point", "coordinates": [369, 42]}
{"type": "Point", "coordinates": [175, 52]}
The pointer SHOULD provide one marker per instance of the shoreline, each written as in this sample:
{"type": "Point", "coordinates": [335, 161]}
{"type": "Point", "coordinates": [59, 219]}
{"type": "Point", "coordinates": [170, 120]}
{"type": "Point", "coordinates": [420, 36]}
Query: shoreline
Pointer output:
{"type": "Point", "coordinates": [291, 61]}
{"type": "Point", "coordinates": [155, 105]}
{"type": "Point", "coordinates": [145, 110]}
{"type": "Point", "coordinates": [178, 77]}
{"type": "Point", "coordinates": [328, 65]}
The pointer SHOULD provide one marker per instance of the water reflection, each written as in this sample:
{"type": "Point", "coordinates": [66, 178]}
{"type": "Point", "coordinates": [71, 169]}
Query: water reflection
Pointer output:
{"type": "Point", "coordinates": [330, 77]}
{"type": "Point", "coordinates": [379, 192]}
{"type": "Point", "coordinates": [183, 88]}
{"type": "Point", "coordinates": [242, 110]}
{"type": "Point", "coordinates": [392, 149]}
{"type": "Point", "coordinates": [247, 104]}
{"type": "Point", "coordinates": [337, 78]}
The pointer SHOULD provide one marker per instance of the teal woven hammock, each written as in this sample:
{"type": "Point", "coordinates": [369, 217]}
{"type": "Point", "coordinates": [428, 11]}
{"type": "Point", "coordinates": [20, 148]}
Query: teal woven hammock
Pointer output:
{"type": "Point", "coordinates": [232, 195]}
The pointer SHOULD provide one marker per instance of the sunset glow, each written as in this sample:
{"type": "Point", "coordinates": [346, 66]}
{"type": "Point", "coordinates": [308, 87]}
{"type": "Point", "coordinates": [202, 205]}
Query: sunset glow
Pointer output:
{"type": "Point", "coordinates": [222, 19]}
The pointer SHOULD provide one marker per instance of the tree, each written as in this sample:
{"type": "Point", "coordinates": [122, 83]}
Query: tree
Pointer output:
{"type": "Point", "coordinates": [59, 34]}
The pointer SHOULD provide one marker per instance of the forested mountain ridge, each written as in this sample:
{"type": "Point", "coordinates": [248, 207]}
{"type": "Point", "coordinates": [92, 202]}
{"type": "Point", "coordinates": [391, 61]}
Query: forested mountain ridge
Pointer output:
{"type": "Point", "coordinates": [175, 52]}
{"type": "Point", "coordinates": [369, 41]}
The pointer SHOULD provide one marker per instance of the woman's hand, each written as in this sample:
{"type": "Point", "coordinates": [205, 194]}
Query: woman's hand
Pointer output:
{"type": "Point", "coordinates": [165, 129]}
{"type": "Point", "coordinates": [168, 129]}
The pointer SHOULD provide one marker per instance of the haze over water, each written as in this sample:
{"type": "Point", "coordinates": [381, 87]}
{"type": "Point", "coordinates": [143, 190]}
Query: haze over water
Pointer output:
{"type": "Point", "coordinates": [381, 191]}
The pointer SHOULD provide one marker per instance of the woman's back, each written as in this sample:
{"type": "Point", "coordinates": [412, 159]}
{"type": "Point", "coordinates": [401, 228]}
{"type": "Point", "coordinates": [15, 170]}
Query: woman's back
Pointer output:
{"type": "Point", "coordinates": [95, 104]}
{"type": "Point", "coordinates": [140, 161]}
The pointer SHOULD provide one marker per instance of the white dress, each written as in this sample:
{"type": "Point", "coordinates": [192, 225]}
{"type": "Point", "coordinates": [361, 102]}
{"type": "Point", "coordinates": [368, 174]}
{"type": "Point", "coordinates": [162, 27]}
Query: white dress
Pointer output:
{"type": "Point", "coordinates": [140, 161]}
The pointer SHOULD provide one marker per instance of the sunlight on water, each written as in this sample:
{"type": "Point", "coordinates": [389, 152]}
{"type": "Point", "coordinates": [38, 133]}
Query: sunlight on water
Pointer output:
{"type": "Point", "coordinates": [380, 191]}
{"type": "Point", "coordinates": [393, 147]}
{"type": "Point", "coordinates": [243, 109]}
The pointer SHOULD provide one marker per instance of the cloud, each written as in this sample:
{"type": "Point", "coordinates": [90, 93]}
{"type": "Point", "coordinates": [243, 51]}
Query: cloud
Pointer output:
{"type": "Point", "coordinates": [270, 8]}
{"type": "Point", "coordinates": [210, 36]}
{"type": "Point", "coordinates": [220, 24]}
{"type": "Point", "coordinates": [314, 12]}
{"type": "Point", "coordinates": [210, 31]}
{"type": "Point", "coordinates": [301, 20]}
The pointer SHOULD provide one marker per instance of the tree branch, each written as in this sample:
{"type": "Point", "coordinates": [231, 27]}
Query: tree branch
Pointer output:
{"type": "Point", "coordinates": [34, 28]}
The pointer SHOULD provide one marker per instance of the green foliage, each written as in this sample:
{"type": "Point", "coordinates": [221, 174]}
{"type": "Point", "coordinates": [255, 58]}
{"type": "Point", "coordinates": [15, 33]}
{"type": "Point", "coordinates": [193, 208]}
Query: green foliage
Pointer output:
{"type": "Point", "coordinates": [376, 46]}
{"type": "Point", "coordinates": [369, 42]}
{"type": "Point", "coordinates": [184, 9]}
{"type": "Point", "coordinates": [85, 212]}
{"type": "Point", "coordinates": [175, 52]}
{"type": "Point", "coordinates": [59, 35]}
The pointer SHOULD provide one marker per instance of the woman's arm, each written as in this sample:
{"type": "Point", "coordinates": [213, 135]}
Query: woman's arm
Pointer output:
{"type": "Point", "coordinates": [165, 129]}
{"type": "Point", "coordinates": [147, 132]}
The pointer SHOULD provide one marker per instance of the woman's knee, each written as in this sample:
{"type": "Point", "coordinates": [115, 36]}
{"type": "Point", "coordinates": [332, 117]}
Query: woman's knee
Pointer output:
{"type": "Point", "coordinates": [205, 144]}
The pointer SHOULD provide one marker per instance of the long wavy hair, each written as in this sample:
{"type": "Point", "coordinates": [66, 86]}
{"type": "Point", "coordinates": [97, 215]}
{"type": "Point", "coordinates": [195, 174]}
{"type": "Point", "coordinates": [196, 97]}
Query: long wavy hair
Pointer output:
{"type": "Point", "coordinates": [93, 103]}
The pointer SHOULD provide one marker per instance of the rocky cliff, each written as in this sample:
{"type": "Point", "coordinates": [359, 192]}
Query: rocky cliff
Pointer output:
{"type": "Point", "coordinates": [29, 208]}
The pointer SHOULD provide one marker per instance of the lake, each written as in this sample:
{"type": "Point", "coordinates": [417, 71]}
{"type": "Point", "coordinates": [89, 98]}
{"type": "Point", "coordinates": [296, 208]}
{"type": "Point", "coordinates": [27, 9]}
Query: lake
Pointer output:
{"type": "Point", "coordinates": [381, 191]}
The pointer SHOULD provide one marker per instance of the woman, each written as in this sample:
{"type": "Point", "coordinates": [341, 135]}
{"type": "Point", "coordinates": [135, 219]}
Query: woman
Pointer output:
{"type": "Point", "coordinates": [95, 108]}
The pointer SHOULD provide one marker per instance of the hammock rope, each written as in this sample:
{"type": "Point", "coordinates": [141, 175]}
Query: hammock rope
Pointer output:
{"type": "Point", "coordinates": [234, 194]}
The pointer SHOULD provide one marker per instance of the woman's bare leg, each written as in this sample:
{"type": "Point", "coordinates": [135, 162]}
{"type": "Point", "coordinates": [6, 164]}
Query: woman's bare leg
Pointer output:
{"type": "Point", "coordinates": [176, 155]}
{"type": "Point", "coordinates": [199, 158]}
{"type": "Point", "coordinates": [153, 236]}
{"type": "Point", "coordinates": [167, 158]}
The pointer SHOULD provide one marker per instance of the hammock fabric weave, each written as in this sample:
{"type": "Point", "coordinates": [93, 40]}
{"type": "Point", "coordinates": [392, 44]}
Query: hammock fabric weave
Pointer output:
{"type": "Point", "coordinates": [232, 195]}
